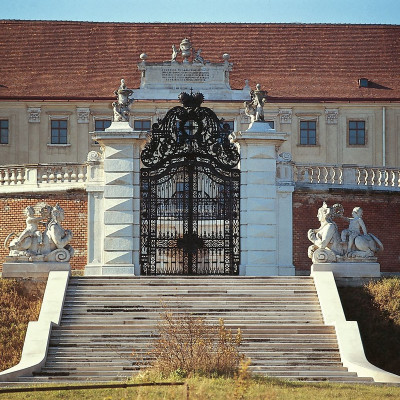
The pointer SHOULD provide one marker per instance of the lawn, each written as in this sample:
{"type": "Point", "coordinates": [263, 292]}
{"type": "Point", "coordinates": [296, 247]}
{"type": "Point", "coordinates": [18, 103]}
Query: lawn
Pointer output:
{"type": "Point", "coordinates": [27, 295]}
{"type": "Point", "coordinates": [223, 389]}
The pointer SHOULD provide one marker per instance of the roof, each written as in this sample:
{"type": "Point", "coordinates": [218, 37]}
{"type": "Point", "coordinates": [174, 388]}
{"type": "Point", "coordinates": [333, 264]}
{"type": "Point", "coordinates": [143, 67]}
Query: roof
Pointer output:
{"type": "Point", "coordinates": [294, 62]}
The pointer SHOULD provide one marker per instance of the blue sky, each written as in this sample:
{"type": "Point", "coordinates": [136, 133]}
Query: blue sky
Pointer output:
{"type": "Point", "coordinates": [305, 11]}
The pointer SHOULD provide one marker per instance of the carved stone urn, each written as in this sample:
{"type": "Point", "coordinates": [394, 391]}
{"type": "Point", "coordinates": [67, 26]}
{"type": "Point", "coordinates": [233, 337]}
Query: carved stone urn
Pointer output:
{"type": "Point", "coordinates": [186, 49]}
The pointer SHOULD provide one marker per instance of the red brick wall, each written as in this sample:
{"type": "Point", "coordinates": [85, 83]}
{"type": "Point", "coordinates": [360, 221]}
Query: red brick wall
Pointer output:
{"type": "Point", "coordinates": [74, 204]}
{"type": "Point", "coordinates": [381, 217]}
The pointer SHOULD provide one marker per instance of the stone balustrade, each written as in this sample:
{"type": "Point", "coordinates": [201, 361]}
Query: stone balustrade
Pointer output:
{"type": "Point", "coordinates": [44, 177]}
{"type": "Point", "coordinates": [64, 176]}
{"type": "Point", "coordinates": [351, 176]}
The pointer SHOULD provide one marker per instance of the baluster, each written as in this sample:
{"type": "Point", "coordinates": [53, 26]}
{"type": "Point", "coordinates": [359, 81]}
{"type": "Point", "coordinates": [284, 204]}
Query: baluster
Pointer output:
{"type": "Point", "coordinates": [81, 176]}
{"type": "Point", "coordinates": [374, 177]}
{"type": "Point", "coordinates": [43, 177]}
{"type": "Point", "coordinates": [67, 176]}
{"type": "Point", "coordinates": [6, 176]}
{"type": "Point", "coordinates": [52, 177]}
{"type": "Point", "coordinates": [12, 177]}
{"type": "Point", "coordinates": [324, 175]}
{"type": "Point", "coordinates": [73, 175]}
{"type": "Point", "coordinates": [59, 177]}
{"type": "Point", "coordinates": [19, 176]}
{"type": "Point", "coordinates": [340, 175]}
{"type": "Point", "coordinates": [1, 177]}
{"type": "Point", "coordinates": [318, 175]}
{"type": "Point", "coordinates": [386, 176]}
{"type": "Point", "coordinates": [391, 178]}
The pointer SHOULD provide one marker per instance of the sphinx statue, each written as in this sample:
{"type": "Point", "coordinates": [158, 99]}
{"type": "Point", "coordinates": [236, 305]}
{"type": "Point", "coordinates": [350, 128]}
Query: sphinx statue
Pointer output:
{"type": "Point", "coordinates": [352, 244]}
{"type": "Point", "coordinates": [33, 245]}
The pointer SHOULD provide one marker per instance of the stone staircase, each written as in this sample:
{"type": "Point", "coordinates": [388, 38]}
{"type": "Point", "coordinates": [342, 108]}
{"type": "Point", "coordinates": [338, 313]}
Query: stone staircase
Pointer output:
{"type": "Point", "coordinates": [109, 323]}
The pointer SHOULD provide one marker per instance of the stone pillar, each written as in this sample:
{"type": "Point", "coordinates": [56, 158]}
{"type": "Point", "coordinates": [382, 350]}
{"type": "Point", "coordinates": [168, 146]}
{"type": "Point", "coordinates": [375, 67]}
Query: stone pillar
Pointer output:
{"type": "Point", "coordinates": [265, 209]}
{"type": "Point", "coordinates": [119, 230]}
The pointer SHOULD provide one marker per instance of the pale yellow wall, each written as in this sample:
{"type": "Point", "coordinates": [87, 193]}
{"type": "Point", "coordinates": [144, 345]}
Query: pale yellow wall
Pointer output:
{"type": "Point", "coordinates": [28, 142]}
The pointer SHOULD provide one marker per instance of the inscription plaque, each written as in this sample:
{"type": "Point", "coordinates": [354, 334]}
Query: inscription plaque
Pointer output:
{"type": "Point", "coordinates": [184, 75]}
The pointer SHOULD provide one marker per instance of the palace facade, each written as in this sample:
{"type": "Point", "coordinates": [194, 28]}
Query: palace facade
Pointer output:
{"type": "Point", "coordinates": [334, 90]}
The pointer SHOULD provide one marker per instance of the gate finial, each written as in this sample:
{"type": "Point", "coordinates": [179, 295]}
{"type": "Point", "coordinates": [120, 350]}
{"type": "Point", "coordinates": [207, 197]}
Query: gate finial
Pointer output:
{"type": "Point", "coordinates": [191, 100]}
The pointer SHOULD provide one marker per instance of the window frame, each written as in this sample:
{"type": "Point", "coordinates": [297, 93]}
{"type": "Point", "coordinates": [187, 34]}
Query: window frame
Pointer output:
{"type": "Point", "coordinates": [53, 118]}
{"type": "Point", "coordinates": [141, 120]}
{"type": "Point", "coordinates": [357, 121]}
{"type": "Point", "coordinates": [7, 131]}
{"type": "Point", "coordinates": [308, 121]}
{"type": "Point", "coordinates": [103, 120]}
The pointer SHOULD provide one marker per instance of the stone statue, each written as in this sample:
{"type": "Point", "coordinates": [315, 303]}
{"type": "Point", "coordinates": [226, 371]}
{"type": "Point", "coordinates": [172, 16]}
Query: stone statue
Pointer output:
{"type": "Point", "coordinates": [175, 53]}
{"type": "Point", "coordinates": [326, 239]}
{"type": "Point", "coordinates": [33, 245]}
{"type": "Point", "coordinates": [329, 246]}
{"type": "Point", "coordinates": [121, 107]}
{"type": "Point", "coordinates": [359, 242]}
{"type": "Point", "coordinates": [255, 107]}
{"type": "Point", "coordinates": [197, 58]}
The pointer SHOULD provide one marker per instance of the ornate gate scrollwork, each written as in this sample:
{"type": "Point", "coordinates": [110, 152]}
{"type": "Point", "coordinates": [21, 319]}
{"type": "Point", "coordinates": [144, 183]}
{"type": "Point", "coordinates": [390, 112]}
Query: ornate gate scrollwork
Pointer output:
{"type": "Point", "coordinates": [190, 194]}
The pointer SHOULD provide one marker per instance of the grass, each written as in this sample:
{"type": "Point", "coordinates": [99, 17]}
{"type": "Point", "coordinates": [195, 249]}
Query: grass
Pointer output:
{"type": "Point", "coordinates": [201, 388]}
{"type": "Point", "coordinates": [14, 320]}
{"type": "Point", "coordinates": [376, 308]}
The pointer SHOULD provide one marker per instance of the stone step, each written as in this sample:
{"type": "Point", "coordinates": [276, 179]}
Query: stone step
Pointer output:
{"type": "Point", "coordinates": [257, 336]}
{"type": "Point", "coordinates": [109, 325]}
{"type": "Point", "coordinates": [266, 328]}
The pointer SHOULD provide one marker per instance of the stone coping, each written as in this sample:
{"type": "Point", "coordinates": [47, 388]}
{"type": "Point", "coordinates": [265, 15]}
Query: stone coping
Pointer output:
{"type": "Point", "coordinates": [348, 335]}
{"type": "Point", "coordinates": [350, 269]}
{"type": "Point", "coordinates": [33, 269]}
{"type": "Point", "coordinates": [37, 337]}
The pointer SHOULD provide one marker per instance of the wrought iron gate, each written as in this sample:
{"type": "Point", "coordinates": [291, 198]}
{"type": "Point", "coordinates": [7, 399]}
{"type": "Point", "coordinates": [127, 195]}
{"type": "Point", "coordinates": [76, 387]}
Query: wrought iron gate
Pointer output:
{"type": "Point", "coordinates": [190, 194]}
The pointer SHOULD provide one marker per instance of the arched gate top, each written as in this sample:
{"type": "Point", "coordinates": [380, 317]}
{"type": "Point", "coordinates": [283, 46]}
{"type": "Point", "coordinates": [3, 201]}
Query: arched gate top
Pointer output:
{"type": "Point", "coordinates": [190, 131]}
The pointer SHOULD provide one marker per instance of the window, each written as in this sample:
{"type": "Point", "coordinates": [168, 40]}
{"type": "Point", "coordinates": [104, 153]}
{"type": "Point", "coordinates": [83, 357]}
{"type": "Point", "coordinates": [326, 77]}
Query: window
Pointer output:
{"type": "Point", "coordinates": [3, 131]}
{"type": "Point", "coordinates": [357, 132]}
{"type": "Point", "coordinates": [59, 131]}
{"type": "Point", "coordinates": [228, 125]}
{"type": "Point", "coordinates": [142, 125]}
{"type": "Point", "coordinates": [102, 124]}
{"type": "Point", "coordinates": [308, 132]}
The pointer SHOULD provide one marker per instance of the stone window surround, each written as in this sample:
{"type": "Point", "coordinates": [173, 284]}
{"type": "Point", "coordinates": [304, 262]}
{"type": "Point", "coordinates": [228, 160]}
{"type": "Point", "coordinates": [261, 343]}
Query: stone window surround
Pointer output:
{"type": "Point", "coordinates": [12, 118]}
{"type": "Point", "coordinates": [357, 119]}
{"type": "Point", "coordinates": [301, 117]}
{"type": "Point", "coordinates": [58, 116]}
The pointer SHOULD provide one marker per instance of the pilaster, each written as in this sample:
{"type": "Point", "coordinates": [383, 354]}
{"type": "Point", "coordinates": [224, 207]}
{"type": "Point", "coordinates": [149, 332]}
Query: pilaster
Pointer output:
{"type": "Point", "coordinates": [265, 208]}
{"type": "Point", "coordinates": [118, 235]}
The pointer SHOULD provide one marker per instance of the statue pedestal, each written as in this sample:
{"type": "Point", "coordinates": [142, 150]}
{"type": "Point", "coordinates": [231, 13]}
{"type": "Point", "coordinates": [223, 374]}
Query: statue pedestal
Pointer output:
{"type": "Point", "coordinates": [350, 270]}
{"type": "Point", "coordinates": [32, 269]}
{"type": "Point", "coordinates": [350, 273]}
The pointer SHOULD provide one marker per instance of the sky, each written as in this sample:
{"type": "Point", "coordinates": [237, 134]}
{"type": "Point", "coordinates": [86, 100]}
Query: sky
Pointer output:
{"type": "Point", "coordinates": [252, 11]}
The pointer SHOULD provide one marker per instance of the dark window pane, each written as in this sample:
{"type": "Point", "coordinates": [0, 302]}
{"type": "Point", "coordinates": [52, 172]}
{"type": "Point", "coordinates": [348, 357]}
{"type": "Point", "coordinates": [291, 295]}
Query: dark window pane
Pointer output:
{"type": "Point", "coordinates": [357, 132]}
{"type": "Point", "coordinates": [142, 125]}
{"type": "Point", "coordinates": [308, 132]}
{"type": "Point", "coordinates": [59, 131]}
{"type": "Point", "coordinates": [4, 131]}
{"type": "Point", "coordinates": [101, 124]}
